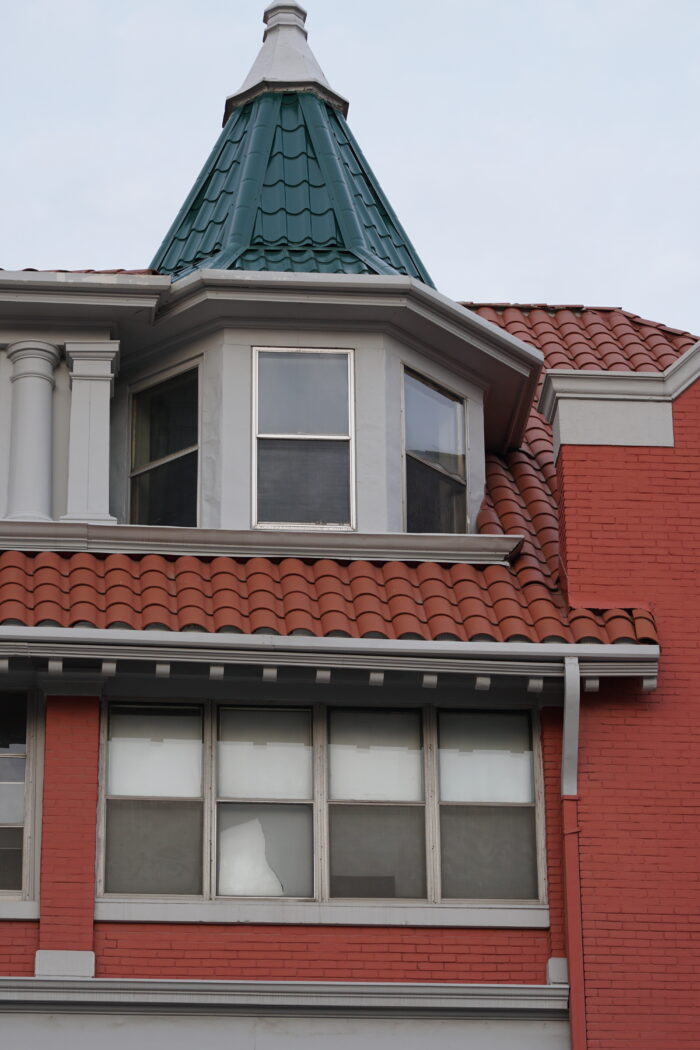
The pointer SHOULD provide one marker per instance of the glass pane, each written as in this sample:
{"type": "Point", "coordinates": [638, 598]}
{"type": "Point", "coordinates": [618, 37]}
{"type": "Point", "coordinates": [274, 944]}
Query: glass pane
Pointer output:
{"type": "Point", "coordinates": [166, 495]}
{"type": "Point", "coordinates": [304, 482]}
{"type": "Point", "coordinates": [165, 419]}
{"type": "Point", "coordinates": [303, 393]}
{"type": "Point", "coordinates": [12, 769]}
{"type": "Point", "coordinates": [11, 803]}
{"type": "Point", "coordinates": [265, 754]}
{"type": "Point", "coordinates": [11, 858]}
{"type": "Point", "coordinates": [153, 847]}
{"type": "Point", "coordinates": [376, 755]}
{"type": "Point", "coordinates": [488, 852]}
{"type": "Point", "coordinates": [377, 851]}
{"type": "Point", "coordinates": [155, 751]}
{"type": "Point", "coordinates": [485, 757]}
{"type": "Point", "coordinates": [434, 502]}
{"type": "Point", "coordinates": [434, 425]}
{"type": "Point", "coordinates": [265, 851]}
{"type": "Point", "coordinates": [13, 724]}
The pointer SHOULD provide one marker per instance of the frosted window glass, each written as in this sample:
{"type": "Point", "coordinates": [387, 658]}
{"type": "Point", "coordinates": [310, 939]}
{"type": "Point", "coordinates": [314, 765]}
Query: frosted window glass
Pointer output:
{"type": "Point", "coordinates": [376, 755]}
{"type": "Point", "coordinates": [11, 803]}
{"type": "Point", "coordinates": [265, 851]}
{"type": "Point", "coordinates": [303, 393]}
{"type": "Point", "coordinates": [485, 757]}
{"type": "Point", "coordinates": [155, 751]}
{"type": "Point", "coordinates": [434, 425]}
{"type": "Point", "coordinates": [265, 754]}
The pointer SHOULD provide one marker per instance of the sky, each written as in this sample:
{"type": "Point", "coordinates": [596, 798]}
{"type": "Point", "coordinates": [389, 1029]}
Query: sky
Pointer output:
{"type": "Point", "coordinates": [534, 150]}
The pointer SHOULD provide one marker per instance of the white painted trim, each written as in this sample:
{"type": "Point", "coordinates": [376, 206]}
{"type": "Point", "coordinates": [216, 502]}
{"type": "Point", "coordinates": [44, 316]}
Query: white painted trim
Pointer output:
{"type": "Point", "coordinates": [16, 909]}
{"type": "Point", "coordinates": [511, 915]}
{"type": "Point", "coordinates": [335, 997]}
{"type": "Point", "coordinates": [472, 549]}
{"type": "Point", "coordinates": [53, 963]}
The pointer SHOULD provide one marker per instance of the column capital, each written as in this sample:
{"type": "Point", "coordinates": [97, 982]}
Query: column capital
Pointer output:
{"type": "Point", "coordinates": [93, 360]}
{"type": "Point", "coordinates": [33, 357]}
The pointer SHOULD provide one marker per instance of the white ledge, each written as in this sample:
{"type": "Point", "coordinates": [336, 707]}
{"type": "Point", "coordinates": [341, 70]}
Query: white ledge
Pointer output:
{"type": "Point", "coordinates": [14, 909]}
{"type": "Point", "coordinates": [507, 915]}
{"type": "Point", "coordinates": [283, 997]}
{"type": "Point", "coordinates": [473, 549]}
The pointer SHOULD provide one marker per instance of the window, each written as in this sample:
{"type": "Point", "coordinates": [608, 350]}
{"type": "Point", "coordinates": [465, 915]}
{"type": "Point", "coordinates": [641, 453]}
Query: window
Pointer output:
{"type": "Point", "coordinates": [13, 765]}
{"type": "Point", "coordinates": [303, 438]}
{"type": "Point", "coordinates": [436, 496]}
{"type": "Point", "coordinates": [164, 453]}
{"type": "Point", "coordinates": [320, 804]}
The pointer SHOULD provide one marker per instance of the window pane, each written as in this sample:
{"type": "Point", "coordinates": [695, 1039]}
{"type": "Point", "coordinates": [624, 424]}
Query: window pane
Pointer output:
{"type": "Point", "coordinates": [376, 755]}
{"type": "Point", "coordinates": [12, 768]}
{"type": "Point", "coordinates": [11, 858]}
{"type": "Point", "coordinates": [166, 495]}
{"type": "Point", "coordinates": [434, 425]}
{"type": "Point", "coordinates": [153, 847]}
{"type": "Point", "coordinates": [265, 851]}
{"type": "Point", "coordinates": [485, 757]}
{"type": "Point", "coordinates": [377, 851]}
{"type": "Point", "coordinates": [165, 419]}
{"type": "Point", "coordinates": [434, 502]}
{"type": "Point", "coordinates": [303, 393]}
{"type": "Point", "coordinates": [155, 751]}
{"type": "Point", "coordinates": [265, 754]}
{"type": "Point", "coordinates": [13, 724]}
{"type": "Point", "coordinates": [488, 852]}
{"type": "Point", "coordinates": [305, 482]}
{"type": "Point", "coordinates": [11, 803]}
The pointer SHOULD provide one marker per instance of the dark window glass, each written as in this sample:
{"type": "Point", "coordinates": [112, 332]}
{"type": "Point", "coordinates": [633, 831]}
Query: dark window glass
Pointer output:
{"type": "Point", "coordinates": [153, 847]}
{"type": "Point", "coordinates": [488, 852]}
{"type": "Point", "coordinates": [11, 858]}
{"type": "Point", "coordinates": [303, 393]}
{"type": "Point", "coordinates": [13, 724]}
{"type": "Point", "coordinates": [166, 495]}
{"type": "Point", "coordinates": [377, 851]}
{"type": "Point", "coordinates": [265, 850]}
{"type": "Point", "coordinates": [304, 482]}
{"type": "Point", "coordinates": [434, 501]}
{"type": "Point", "coordinates": [165, 419]}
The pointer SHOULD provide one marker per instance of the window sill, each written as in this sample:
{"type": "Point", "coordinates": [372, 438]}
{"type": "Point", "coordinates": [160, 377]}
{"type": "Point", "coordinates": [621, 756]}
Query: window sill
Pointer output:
{"type": "Point", "coordinates": [508, 914]}
{"type": "Point", "coordinates": [17, 909]}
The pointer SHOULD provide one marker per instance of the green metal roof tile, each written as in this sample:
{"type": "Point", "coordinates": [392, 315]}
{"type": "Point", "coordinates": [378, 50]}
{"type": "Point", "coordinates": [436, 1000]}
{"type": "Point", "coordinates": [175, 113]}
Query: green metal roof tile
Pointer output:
{"type": "Point", "coordinates": [287, 188]}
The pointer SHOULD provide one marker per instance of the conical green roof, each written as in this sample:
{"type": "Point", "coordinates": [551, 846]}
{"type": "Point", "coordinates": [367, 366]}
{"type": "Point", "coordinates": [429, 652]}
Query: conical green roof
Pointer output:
{"type": "Point", "coordinates": [287, 188]}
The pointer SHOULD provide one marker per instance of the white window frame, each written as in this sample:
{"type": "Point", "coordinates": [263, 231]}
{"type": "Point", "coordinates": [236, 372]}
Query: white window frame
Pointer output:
{"type": "Point", "coordinates": [322, 907]}
{"type": "Point", "coordinates": [154, 380]}
{"type": "Point", "coordinates": [350, 438]}
{"type": "Point", "coordinates": [23, 903]}
{"type": "Point", "coordinates": [459, 396]}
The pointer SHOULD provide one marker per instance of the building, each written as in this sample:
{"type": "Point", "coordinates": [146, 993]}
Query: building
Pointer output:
{"type": "Point", "coordinates": [347, 633]}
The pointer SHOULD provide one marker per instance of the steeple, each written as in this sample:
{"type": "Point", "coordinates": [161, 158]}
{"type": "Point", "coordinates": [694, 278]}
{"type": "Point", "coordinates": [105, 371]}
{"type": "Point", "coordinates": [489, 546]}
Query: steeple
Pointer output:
{"type": "Point", "coordinates": [286, 186]}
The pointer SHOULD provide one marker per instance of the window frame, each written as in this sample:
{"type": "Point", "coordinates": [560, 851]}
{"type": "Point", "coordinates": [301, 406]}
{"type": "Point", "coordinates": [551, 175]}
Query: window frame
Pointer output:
{"type": "Point", "coordinates": [291, 526]}
{"type": "Point", "coordinates": [321, 903]}
{"type": "Point", "coordinates": [33, 791]}
{"type": "Point", "coordinates": [153, 380]}
{"type": "Point", "coordinates": [459, 396]}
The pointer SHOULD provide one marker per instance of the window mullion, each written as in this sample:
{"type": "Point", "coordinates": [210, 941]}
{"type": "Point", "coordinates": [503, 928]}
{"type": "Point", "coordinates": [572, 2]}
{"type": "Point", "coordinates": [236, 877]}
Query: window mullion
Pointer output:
{"type": "Point", "coordinates": [320, 779]}
{"type": "Point", "coordinates": [209, 801]}
{"type": "Point", "coordinates": [432, 804]}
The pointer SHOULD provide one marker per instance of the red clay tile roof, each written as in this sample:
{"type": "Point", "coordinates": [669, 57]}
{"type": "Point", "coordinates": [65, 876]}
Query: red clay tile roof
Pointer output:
{"type": "Point", "coordinates": [590, 337]}
{"type": "Point", "coordinates": [322, 598]}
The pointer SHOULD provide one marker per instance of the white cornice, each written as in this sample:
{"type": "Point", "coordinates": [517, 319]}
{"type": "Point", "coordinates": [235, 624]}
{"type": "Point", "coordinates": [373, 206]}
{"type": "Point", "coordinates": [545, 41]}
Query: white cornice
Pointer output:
{"type": "Point", "coordinates": [471, 549]}
{"type": "Point", "coordinates": [283, 997]}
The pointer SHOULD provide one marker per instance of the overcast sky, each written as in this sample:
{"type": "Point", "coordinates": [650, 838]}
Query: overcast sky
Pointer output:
{"type": "Point", "coordinates": [535, 150]}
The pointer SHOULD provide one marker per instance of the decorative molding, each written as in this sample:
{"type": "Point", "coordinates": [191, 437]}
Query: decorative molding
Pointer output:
{"type": "Point", "coordinates": [284, 997]}
{"type": "Point", "coordinates": [77, 536]}
{"type": "Point", "coordinates": [545, 659]}
{"type": "Point", "coordinates": [352, 913]}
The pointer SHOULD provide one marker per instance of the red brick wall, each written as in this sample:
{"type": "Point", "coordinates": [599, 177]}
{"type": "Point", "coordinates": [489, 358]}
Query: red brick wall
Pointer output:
{"type": "Point", "coordinates": [632, 520]}
{"type": "Point", "coordinates": [18, 943]}
{"type": "Point", "coordinates": [68, 823]}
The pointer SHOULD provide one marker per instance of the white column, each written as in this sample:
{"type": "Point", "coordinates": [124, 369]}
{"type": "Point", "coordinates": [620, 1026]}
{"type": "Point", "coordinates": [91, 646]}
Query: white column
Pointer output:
{"type": "Point", "coordinates": [30, 481]}
{"type": "Point", "coordinates": [92, 373]}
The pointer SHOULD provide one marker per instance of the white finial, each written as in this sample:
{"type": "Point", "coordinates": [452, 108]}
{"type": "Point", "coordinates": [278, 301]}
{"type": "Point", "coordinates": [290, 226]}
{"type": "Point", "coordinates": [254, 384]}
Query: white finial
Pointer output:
{"type": "Point", "coordinates": [285, 61]}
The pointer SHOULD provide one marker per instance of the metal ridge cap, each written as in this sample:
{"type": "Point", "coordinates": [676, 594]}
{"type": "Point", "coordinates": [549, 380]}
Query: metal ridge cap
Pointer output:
{"type": "Point", "coordinates": [473, 548]}
{"type": "Point", "coordinates": [267, 85]}
{"type": "Point", "coordinates": [186, 995]}
{"type": "Point", "coordinates": [602, 653]}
